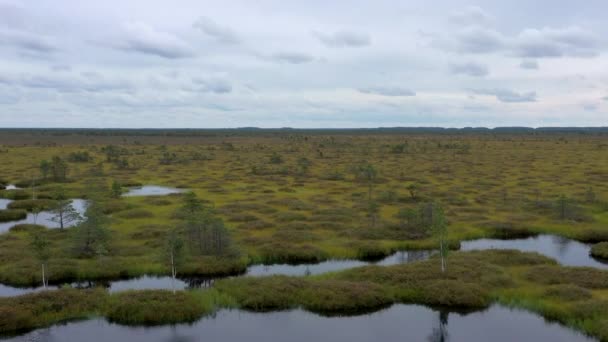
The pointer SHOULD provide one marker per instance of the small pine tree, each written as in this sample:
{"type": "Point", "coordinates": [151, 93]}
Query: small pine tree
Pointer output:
{"type": "Point", "coordinates": [41, 247]}
{"type": "Point", "coordinates": [174, 253]}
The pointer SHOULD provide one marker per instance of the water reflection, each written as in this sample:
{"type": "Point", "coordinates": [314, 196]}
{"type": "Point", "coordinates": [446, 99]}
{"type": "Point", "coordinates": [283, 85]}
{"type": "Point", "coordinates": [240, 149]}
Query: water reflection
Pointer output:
{"type": "Point", "coordinates": [440, 333]}
{"type": "Point", "coordinates": [152, 190]}
{"type": "Point", "coordinates": [44, 218]}
{"type": "Point", "coordinates": [4, 203]}
{"type": "Point", "coordinates": [399, 322]}
{"type": "Point", "coordinates": [565, 251]}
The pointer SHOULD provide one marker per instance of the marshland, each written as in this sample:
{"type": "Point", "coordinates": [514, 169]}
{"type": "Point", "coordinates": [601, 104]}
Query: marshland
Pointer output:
{"type": "Point", "coordinates": [189, 232]}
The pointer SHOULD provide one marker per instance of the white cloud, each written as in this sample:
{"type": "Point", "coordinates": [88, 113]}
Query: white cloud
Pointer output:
{"type": "Point", "coordinates": [263, 64]}
{"type": "Point", "coordinates": [211, 28]}
{"type": "Point", "coordinates": [292, 57]}
{"type": "Point", "coordinates": [143, 38]}
{"type": "Point", "coordinates": [561, 42]}
{"type": "Point", "coordinates": [471, 15]}
{"type": "Point", "coordinates": [506, 95]}
{"type": "Point", "coordinates": [213, 85]}
{"type": "Point", "coordinates": [529, 64]}
{"type": "Point", "coordinates": [387, 91]}
{"type": "Point", "coordinates": [469, 68]}
{"type": "Point", "coordinates": [343, 39]}
{"type": "Point", "coordinates": [27, 41]}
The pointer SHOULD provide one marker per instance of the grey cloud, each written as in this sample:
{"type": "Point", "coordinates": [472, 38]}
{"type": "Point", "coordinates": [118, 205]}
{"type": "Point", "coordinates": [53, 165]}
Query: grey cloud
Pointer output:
{"type": "Point", "coordinates": [509, 96]}
{"type": "Point", "coordinates": [212, 85]}
{"type": "Point", "coordinates": [469, 69]}
{"type": "Point", "coordinates": [590, 107]}
{"type": "Point", "coordinates": [477, 37]}
{"type": "Point", "coordinates": [142, 38]}
{"type": "Point", "coordinates": [549, 42]}
{"type": "Point", "coordinates": [528, 64]}
{"type": "Point", "coordinates": [11, 15]}
{"type": "Point", "coordinates": [605, 98]}
{"type": "Point", "coordinates": [471, 15]}
{"type": "Point", "coordinates": [292, 57]}
{"type": "Point", "coordinates": [26, 41]}
{"type": "Point", "coordinates": [479, 40]}
{"type": "Point", "coordinates": [387, 91]}
{"type": "Point", "coordinates": [343, 39]}
{"type": "Point", "coordinates": [61, 67]}
{"type": "Point", "coordinates": [221, 33]}
{"type": "Point", "coordinates": [66, 84]}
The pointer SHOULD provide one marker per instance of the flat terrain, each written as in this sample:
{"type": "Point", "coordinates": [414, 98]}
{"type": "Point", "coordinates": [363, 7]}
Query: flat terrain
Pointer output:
{"type": "Point", "coordinates": [289, 196]}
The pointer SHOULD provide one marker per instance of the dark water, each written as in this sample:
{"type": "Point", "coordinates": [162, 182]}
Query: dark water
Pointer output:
{"type": "Point", "coordinates": [43, 218]}
{"type": "Point", "coordinates": [397, 323]}
{"type": "Point", "coordinates": [401, 257]}
{"type": "Point", "coordinates": [565, 251]}
{"type": "Point", "coordinates": [4, 203]}
{"type": "Point", "coordinates": [152, 190]}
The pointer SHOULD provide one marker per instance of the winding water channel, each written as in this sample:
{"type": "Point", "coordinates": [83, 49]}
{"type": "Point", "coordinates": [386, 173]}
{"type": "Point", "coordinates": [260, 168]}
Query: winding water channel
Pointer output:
{"type": "Point", "coordinates": [411, 322]}
{"type": "Point", "coordinates": [399, 322]}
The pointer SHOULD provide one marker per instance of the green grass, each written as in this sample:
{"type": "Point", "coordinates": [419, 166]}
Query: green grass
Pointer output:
{"type": "Point", "coordinates": [7, 215]}
{"type": "Point", "coordinates": [473, 280]}
{"type": "Point", "coordinates": [600, 250]}
{"type": "Point", "coordinates": [501, 186]}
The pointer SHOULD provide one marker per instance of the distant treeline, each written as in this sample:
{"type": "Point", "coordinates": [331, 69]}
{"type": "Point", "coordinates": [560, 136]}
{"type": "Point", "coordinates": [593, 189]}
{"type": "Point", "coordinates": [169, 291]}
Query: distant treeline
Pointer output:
{"type": "Point", "coordinates": [176, 132]}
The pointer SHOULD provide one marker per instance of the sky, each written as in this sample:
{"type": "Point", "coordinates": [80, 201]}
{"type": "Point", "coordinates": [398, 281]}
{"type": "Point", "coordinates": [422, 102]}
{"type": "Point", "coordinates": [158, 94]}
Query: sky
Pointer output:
{"type": "Point", "coordinates": [306, 64]}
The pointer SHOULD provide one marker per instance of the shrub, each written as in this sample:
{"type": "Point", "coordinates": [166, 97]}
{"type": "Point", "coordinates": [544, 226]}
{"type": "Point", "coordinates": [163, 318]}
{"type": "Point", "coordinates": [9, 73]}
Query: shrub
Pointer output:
{"type": "Point", "coordinates": [289, 216]}
{"type": "Point", "coordinates": [263, 293]}
{"type": "Point", "coordinates": [18, 194]}
{"type": "Point", "coordinates": [455, 293]}
{"type": "Point", "coordinates": [135, 214]}
{"type": "Point", "coordinates": [567, 293]}
{"type": "Point", "coordinates": [8, 215]}
{"type": "Point", "coordinates": [27, 228]}
{"type": "Point", "coordinates": [30, 204]}
{"type": "Point", "coordinates": [153, 307]}
{"type": "Point", "coordinates": [506, 230]}
{"type": "Point", "coordinates": [600, 250]}
{"type": "Point", "coordinates": [586, 277]}
{"type": "Point", "coordinates": [343, 297]}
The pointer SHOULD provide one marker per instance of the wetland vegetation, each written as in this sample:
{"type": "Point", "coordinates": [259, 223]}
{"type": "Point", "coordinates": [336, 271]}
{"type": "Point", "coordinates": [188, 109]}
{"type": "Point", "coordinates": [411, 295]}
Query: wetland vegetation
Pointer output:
{"type": "Point", "coordinates": [200, 204]}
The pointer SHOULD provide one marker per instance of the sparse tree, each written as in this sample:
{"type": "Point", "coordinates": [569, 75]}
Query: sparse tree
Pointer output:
{"type": "Point", "coordinates": [59, 169]}
{"type": "Point", "coordinates": [35, 212]}
{"type": "Point", "coordinates": [33, 184]}
{"type": "Point", "coordinates": [413, 189]}
{"type": "Point", "coordinates": [63, 211]}
{"type": "Point", "coordinates": [41, 248]}
{"type": "Point", "coordinates": [45, 169]}
{"type": "Point", "coordinates": [206, 232]}
{"type": "Point", "coordinates": [590, 196]}
{"type": "Point", "coordinates": [565, 207]}
{"type": "Point", "coordinates": [92, 235]}
{"type": "Point", "coordinates": [174, 253]}
{"type": "Point", "coordinates": [368, 174]}
{"type": "Point", "coordinates": [303, 166]}
{"type": "Point", "coordinates": [439, 228]}
{"type": "Point", "coordinates": [276, 158]}
{"type": "Point", "coordinates": [115, 190]}
{"type": "Point", "coordinates": [373, 209]}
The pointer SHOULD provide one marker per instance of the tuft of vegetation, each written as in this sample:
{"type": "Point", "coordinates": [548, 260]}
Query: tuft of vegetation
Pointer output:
{"type": "Point", "coordinates": [7, 215]}
{"type": "Point", "coordinates": [600, 250]}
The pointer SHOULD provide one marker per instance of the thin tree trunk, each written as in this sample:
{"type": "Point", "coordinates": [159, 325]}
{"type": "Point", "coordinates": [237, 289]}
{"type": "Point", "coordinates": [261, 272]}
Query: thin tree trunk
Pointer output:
{"type": "Point", "coordinates": [43, 277]}
{"type": "Point", "coordinates": [441, 251]}
{"type": "Point", "coordinates": [172, 273]}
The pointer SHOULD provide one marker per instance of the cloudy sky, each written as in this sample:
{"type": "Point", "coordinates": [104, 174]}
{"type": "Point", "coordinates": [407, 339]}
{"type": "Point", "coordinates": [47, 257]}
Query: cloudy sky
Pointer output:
{"type": "Point", "coordinates": [193, 63]}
